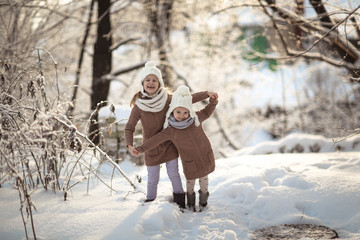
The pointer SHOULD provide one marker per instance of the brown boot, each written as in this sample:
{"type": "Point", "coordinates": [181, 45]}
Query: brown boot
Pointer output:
{"type": "Point", "coordinates": [179, 199]}
{"type": "Point", "coordinates": [203, 197]}
{"type": "Point", "coordinates": [191, 201]}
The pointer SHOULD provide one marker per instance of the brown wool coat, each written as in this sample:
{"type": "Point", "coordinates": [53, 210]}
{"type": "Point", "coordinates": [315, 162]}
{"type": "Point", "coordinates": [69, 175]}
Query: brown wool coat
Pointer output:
{"type": "Point", "coordinates": [192, 143]}
{"type": "Point", "coordinates": [152, 123]}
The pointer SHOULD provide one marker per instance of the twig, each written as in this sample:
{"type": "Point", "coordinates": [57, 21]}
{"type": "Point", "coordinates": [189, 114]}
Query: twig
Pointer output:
{"type": "Point", "coordinates": [101, 152]}
{"type": "Point", "coordinates": [355, 132]}
{"type": "Point", "coordinates": [56, 72]}
{"type": "Point", "coordinates": [93, 172]}
{"type": "Point", "coordinates": [133, 192]}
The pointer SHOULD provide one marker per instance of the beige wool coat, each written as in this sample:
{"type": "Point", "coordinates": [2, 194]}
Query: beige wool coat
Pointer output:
{"type": "Point", "coordinates": [152, 123]}
{"type": "Point", "coordinates": [192, 144]}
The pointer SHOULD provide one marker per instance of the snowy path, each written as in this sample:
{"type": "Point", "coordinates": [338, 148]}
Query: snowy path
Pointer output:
{"type": "Point", "coordinates": [246, 193]}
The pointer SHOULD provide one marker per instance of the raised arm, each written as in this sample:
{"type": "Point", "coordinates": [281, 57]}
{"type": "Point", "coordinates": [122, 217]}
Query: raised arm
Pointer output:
{"type": "Point", "coordinates": [154, 141]}
{"type": "Point", "coordinates": [199, 96]}
{"type": "Point", "coordinates": [206, 112]}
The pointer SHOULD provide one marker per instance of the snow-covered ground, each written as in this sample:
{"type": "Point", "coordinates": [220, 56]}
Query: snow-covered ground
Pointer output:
{"type": "Point", "coordinates": [246, 192]}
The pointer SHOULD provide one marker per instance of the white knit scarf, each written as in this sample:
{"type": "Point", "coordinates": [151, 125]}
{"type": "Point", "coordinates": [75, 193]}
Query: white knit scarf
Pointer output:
{"type": "Point", "coordinates": [156, 103]}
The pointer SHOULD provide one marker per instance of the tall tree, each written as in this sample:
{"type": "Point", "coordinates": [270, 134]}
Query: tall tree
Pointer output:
{"type": "Point", "coordinates": [160, 15]}
{"type": "Point", "coordinates": [80, 61]}
{"type": "Point", "coordinates": [102, 60]}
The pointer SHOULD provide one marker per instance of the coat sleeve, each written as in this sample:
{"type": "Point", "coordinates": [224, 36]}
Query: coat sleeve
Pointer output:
{"type": "Point", "coordinates": [199, 96]}
{"type": "Point", "coordinates": [206, 112]}
{"type": "Point", "coordinates": [131, 124]}
{"type": "Point", "coordinates": [154, 141]}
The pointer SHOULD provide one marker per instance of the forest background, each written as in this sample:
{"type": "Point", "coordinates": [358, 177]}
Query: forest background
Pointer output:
{"type": "Point", "coordinates": [278, 66]}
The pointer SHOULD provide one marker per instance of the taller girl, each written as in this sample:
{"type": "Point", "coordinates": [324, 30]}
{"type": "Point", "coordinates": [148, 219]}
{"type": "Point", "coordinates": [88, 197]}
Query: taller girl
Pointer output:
{"type": "Point", "coordinates": [150, 105]}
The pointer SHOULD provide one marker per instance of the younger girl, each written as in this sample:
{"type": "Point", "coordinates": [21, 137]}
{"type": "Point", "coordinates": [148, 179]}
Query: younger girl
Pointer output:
{"type": "Point", "coordinates": [150, 105]}
{"type": "Point", "coordinates": [183, 127]}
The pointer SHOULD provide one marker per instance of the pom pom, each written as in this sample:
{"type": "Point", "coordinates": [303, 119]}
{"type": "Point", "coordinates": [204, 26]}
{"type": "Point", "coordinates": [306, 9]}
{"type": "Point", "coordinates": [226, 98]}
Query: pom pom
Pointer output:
{"type": "Point", "coordinates": [182, 90]}
{"type": "Point", "coordinates": [150, 64]}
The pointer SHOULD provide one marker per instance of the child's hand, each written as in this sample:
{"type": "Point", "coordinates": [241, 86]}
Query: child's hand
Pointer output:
{"type": "Point", "coordinates": [213, 95]}
{"type": "Point", "coordinates": [133, 151]}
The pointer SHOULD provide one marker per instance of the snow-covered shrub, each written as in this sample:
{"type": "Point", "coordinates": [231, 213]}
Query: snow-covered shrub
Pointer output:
{"type": "Point", "coordinates": [40, 148]}
{"type": "Point", "coordinates": [33, 138]}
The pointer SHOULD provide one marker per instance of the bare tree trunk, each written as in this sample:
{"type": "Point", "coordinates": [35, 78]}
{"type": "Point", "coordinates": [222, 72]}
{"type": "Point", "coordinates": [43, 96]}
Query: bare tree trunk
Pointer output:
{"type": "Point", "coordinates": [298, 33]}
{"type": "Point", "coordinates": [160, 16]}
{"type": "Point", "coordinates": [78, 70]}
{"type": "Point", "coordinates": [102, 60]}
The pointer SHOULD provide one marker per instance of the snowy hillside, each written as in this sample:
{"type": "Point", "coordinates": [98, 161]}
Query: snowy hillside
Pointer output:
{"type": "Point", "coordinates": [247, 192]}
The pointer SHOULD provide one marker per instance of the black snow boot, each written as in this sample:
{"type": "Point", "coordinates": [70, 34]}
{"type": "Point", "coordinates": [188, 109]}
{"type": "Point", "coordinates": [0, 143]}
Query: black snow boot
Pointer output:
{"type": "Point", "coordinates": [191, 201]}
{"type": "Point", "coordinates": [179, 199]}
{"type": "Point", "coordinates": [203, 197]}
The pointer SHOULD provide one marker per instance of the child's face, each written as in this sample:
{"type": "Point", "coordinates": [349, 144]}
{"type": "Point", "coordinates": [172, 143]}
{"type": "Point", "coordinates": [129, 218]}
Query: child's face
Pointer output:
{"type": "Point", "coordinates": [180, 114]}
{"type": "Point", "coordinates": [151, 84]}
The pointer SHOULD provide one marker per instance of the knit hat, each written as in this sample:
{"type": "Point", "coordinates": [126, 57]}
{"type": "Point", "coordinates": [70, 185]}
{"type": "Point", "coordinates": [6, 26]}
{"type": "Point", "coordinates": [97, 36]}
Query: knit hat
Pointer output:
{"type": "Point", "coordinates": [150, 68]}
{"type": "Point", "coordinates": [181, 98]}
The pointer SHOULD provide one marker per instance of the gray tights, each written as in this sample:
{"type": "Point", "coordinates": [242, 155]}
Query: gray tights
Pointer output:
{"type": "Point", "coordinates": [172, 168]}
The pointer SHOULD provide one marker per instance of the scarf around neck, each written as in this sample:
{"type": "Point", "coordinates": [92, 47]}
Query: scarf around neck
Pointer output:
{"type": "Point", "coordinates": [180, 125]}
{"type": "Point", "coordinates": [156, 103]}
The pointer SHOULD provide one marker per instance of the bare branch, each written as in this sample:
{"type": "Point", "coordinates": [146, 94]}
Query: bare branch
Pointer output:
{"type": "Point", "coordinates": [101, 152]}
{"type": "Point", "coordinates": [127, 69]}
{"type": "Point", "coordinates": [342, 44]}
{"type": "Point", "coordinates": [235, 6]}
{"type": "Point", "coordinates": [53, 10]}
{"type": "Point", "coordinates": [126, 41]}
{"type": "Point", "coordinates": [283, 42]}
{"type": "Point", "coordinates": [356, 26]}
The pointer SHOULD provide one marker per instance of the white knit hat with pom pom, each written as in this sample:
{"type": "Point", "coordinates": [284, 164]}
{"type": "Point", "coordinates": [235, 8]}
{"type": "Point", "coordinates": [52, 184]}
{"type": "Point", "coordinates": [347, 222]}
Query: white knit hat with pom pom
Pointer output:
{"type": "Point", "coordinates": [150, 68]}
{"type": "Point", "coordinates": [181, 98]}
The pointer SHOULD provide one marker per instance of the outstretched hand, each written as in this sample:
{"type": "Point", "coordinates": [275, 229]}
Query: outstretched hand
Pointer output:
{"type": "Point", "coordinates": [133, 151]}
{"type": "Point", "coordinates": [213, 95]}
